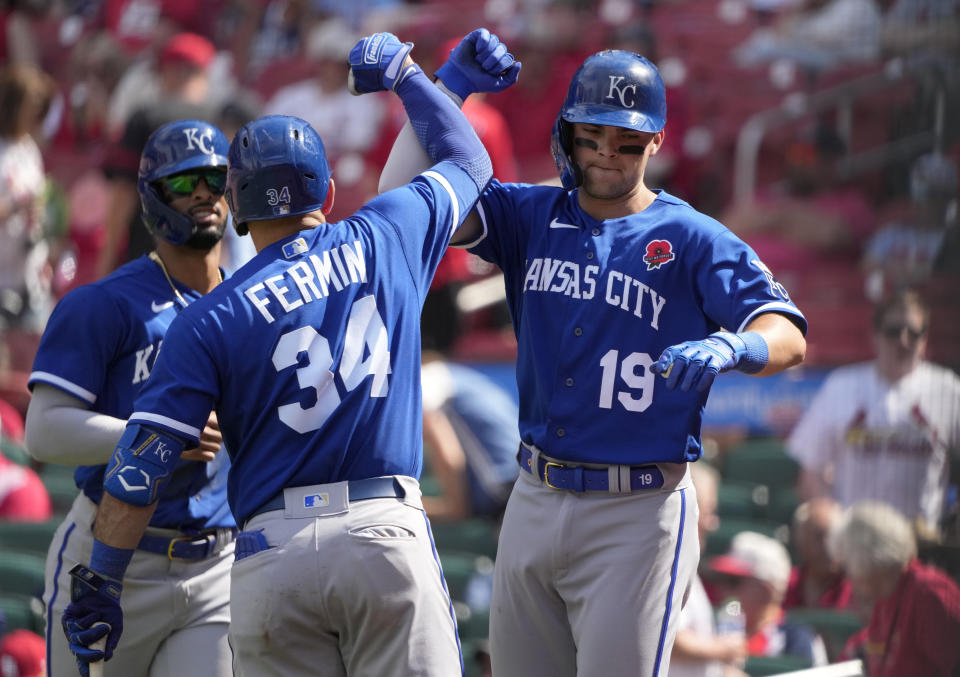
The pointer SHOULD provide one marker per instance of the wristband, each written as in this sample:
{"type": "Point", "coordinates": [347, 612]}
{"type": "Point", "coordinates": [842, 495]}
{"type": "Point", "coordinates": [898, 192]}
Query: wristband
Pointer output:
{"type": "Point", "coordinates": [109, 561]}
{"type": "Point", "coordinates": [756, 353]}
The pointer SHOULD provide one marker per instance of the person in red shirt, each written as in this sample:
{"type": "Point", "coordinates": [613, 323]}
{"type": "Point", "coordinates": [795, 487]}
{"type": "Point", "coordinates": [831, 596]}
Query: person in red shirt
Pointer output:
{"type": "Point", "coordinates": [819, 580]}
{"type": "Point", "coordinates": [913, 608]}
{"type": "Point", "coordinates": [23, 498]}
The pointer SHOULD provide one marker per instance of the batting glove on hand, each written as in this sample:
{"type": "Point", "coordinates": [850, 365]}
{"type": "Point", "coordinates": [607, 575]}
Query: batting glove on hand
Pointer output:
{"type": "Point", "coordinates": [93, 613]}
{"type": "Point", "coordinates": [699, 362]}
{"type": "Point", "coordinates": [480, 63]}
{"type": "Point", "coordinates": [376, 63]}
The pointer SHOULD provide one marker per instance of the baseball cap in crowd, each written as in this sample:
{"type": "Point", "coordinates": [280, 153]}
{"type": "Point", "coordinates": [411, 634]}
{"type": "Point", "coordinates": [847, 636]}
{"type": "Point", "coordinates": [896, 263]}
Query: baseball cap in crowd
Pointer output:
{"type": "Point", "coordinates": [22, 654]}
{"type": "Point", "coordinates": [753, 555]}
{"type": "Point", "coordinates": [188, 48]}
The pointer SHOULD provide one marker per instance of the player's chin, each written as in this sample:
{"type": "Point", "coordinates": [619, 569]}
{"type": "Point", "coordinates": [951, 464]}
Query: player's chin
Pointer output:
{"type": "Point", "coordinates": [206, 237]}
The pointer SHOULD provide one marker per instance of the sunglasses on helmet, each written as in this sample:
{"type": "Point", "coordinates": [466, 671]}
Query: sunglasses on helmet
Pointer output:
{"type": "Point", "coordinates": [186, 182]}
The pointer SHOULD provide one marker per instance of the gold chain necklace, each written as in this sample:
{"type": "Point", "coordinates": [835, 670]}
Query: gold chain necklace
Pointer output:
{"type": "Point", "coordinates": [155, 257]}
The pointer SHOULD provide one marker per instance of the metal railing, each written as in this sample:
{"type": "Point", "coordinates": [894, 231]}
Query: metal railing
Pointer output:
{"type": "Point", "coordinates": [840, 98]}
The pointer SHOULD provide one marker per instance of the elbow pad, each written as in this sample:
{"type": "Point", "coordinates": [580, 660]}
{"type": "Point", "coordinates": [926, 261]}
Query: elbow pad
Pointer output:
{"type": "Point", "coordinates": [144, 458]}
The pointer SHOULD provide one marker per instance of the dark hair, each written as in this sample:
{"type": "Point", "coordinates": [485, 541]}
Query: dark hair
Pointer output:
{"type": "Point", "coordinates": [905, 299]}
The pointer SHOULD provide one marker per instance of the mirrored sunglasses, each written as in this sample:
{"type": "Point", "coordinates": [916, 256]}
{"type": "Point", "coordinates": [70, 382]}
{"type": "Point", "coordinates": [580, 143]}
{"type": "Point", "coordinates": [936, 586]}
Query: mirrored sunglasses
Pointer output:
{"type": "Point", "coordinates": [186, 182]}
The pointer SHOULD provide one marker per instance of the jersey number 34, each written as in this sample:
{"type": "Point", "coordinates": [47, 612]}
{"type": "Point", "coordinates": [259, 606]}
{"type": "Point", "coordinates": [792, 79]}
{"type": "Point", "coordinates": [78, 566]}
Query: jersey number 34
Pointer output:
{"type": "Point", "coordinates": [365, 330]}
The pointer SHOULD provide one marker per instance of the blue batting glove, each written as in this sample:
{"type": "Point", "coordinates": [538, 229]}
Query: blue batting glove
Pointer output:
{"type": "Point", "coordinates": [93, 613]}
{"type": "Point", "coordinates": [697, 363]}
{"type": "Point", "coordinates": [479, 63]}
{"type": "Point", "coordinates": [376, 63]}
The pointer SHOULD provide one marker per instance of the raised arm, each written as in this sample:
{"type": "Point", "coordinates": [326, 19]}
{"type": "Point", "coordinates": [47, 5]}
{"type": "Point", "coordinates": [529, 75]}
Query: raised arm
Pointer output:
{"type": "Point", "coordinates": [479, 63]}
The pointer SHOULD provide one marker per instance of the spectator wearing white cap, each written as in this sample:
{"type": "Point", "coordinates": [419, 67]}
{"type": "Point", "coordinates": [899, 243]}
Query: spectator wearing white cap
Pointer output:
{"type": "Point", "coordinates": [756, 570]}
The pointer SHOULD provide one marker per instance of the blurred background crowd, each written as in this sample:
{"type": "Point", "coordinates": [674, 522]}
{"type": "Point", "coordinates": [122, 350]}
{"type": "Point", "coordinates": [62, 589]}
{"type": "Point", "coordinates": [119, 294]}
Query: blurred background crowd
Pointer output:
{"type": "Point", "coordinates": [825, 133]}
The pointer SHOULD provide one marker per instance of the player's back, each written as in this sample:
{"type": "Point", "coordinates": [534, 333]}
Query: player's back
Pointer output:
{"type": "Point", "coordinates": [298, 347]}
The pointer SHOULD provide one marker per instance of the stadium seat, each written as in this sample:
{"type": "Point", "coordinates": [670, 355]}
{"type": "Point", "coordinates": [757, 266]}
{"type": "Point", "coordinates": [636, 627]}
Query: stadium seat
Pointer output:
{"type": "Point", "coordinates": [58, 479]}
{"type": "Point", "coordinates": [719, 541]}
{"type": "Point", "coordinates": [742, 500]}
{"type": "Point", "coordinates": [761, 460]}
{"type": "Point", "coordinates": [476, 626]}
{"type": "Point", "coordinates": [15, 452]}
{"type": "Point", "coordinates": [761, 666]}
{"type": "Point", "coordinates": [459, 568]}
{"type": "Point", "coordinates": [21, 572]}
{"type": "Point", "coordinates": [21, 611]}
{"type": "Point", "coordinates": [32, 537]}
{"type": "Point", "coordinates": [477, 536]}
{"type": "Point", "coordinates": [835, 627]}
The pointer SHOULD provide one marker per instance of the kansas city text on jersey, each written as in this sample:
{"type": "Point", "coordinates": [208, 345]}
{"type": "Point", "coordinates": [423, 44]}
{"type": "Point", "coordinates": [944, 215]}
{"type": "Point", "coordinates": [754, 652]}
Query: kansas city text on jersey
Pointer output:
{"type": "Point", "coordinates": [621, 290]}
{"type": "Point", "coordinates": [311, 279]}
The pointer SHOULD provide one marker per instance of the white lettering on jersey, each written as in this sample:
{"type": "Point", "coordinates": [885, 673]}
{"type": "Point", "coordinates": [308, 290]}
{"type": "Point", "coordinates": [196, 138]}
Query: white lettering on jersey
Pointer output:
{"type": "Point", "coordinates": [304, 282]}
{"type": "Point", "coordinates": [141, 370]}
{"type": "Point", "coordinates": [566, 277]}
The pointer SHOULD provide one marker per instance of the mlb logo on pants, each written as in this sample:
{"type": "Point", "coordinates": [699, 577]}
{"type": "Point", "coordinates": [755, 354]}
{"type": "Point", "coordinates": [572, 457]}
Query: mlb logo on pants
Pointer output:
{"type": "Point", "coordinates": [316, 501]}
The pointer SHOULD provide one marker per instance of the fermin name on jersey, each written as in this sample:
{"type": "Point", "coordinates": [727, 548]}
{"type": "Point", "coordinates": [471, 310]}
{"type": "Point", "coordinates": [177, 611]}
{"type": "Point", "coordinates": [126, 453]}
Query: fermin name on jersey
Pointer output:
{"type": "Point", "coordinates": [311, 278]}
{"type": "Point", "coordinates": [620, 290]}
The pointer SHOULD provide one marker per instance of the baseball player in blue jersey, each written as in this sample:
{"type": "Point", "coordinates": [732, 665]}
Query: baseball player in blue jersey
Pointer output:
{"type": "Point", "coordinates": [310, 354]}
{"type": "Point", "coordinates": [612, 286]}
{"type": "Point", "coordinates": [98, 350]}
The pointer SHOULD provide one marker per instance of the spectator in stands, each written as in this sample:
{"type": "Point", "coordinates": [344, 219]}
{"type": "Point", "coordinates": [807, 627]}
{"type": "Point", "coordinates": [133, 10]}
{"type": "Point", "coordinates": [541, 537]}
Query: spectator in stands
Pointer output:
{"type": "Point", "coordinates": [925, 240]}
{"type": "Point", "coordinates": [818, 580]}
{"type": "Point", "coordinates": [913, 609]}
{"type": "Point", "coordinates": [23, 498]}
{"type": "Point", "coordinates": [350, 123]}
{"type": "Point", "coordinates": [756, 570]}
{"type": "Point", "coordinates": [25, 96]}
{"type": "Point", "coordinates": [469, 424]}
{"type": "Point", "coordinates": [923, 29]}
{"type": "Point", "coordinates": [22, 654]}
{"type": "Point", "coordinates": [886, 429]}
{"type": "Point", "coordinates": [699, 651]}
{"type": "Point", "coordinates": [814, 219]}
{"type": "Point", "coordinates": [818, 35]}
{"type": "Point", "coordinates": [184, 89]}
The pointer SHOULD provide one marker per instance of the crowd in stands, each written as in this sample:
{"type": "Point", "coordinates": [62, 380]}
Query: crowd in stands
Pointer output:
{"type": "Point", "coordinates": [854, 208]}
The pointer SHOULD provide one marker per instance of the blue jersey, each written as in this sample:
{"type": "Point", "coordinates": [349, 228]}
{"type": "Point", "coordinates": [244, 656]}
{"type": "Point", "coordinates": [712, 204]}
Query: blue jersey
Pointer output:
{"type": "Point", "coordinates": [484, 417]}
{"type": "Point", "coordinates": [310, 353]}
{"type": "Point", "coordinates": [594, 303]}
{"type": "Point", "coordinates": [100, 345]}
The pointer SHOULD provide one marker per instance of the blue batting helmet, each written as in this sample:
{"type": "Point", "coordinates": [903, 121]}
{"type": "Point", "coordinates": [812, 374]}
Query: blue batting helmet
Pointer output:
{"type": "Point", "coordinates": [278, 167]}
{"type": "Point", "coordinates": [174, 148]}
{"type": "Point", "coordinates": [615, 88]}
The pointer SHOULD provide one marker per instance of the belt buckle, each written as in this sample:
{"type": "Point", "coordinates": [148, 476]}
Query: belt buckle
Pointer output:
{"type": "Point", "coordinates": [180, 539]}
{"type": "Point", "coordinates": [546, 473]}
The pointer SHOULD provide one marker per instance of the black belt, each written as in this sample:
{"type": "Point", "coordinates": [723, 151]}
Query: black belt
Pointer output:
{"type": "Point", "coordinates": [189, 546]}
{"type": "Point", "coordinates": [572, 477]}
{"type": "Point", "coordinates": [358, 490]}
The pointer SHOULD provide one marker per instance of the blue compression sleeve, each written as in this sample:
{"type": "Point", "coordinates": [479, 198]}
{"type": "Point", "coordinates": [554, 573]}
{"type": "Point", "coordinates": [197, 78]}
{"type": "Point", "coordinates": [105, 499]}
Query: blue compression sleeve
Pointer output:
{"type": "Point", "coordinates": [443, 131]}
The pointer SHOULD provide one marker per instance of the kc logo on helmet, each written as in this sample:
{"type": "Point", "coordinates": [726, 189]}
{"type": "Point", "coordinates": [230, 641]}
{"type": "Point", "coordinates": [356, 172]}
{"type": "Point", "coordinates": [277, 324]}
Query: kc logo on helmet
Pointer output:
{"type": "Point", "coordinates": [622, 92]}
{"type": "Point", "coordinates": [198, 141]}
{"type": "Point", "coordinates": [658, 253]}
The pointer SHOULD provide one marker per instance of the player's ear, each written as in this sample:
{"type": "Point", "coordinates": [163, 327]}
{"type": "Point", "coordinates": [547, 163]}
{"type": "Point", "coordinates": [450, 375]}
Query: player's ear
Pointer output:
{"type": "Point", "coordinates": [657, 141]}
{"type": "Point", "coordinates": [328, 203]}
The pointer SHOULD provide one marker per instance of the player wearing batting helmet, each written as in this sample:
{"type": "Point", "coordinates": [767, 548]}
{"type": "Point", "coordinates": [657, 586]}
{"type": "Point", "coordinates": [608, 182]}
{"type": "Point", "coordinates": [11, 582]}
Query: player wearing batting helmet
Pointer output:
{"type": "Point", "coordinates": [310, 354]}
{"type": "Point", "coordinates": [98, 350]}
{"type": "Point", "coordinates": [610, 285]}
